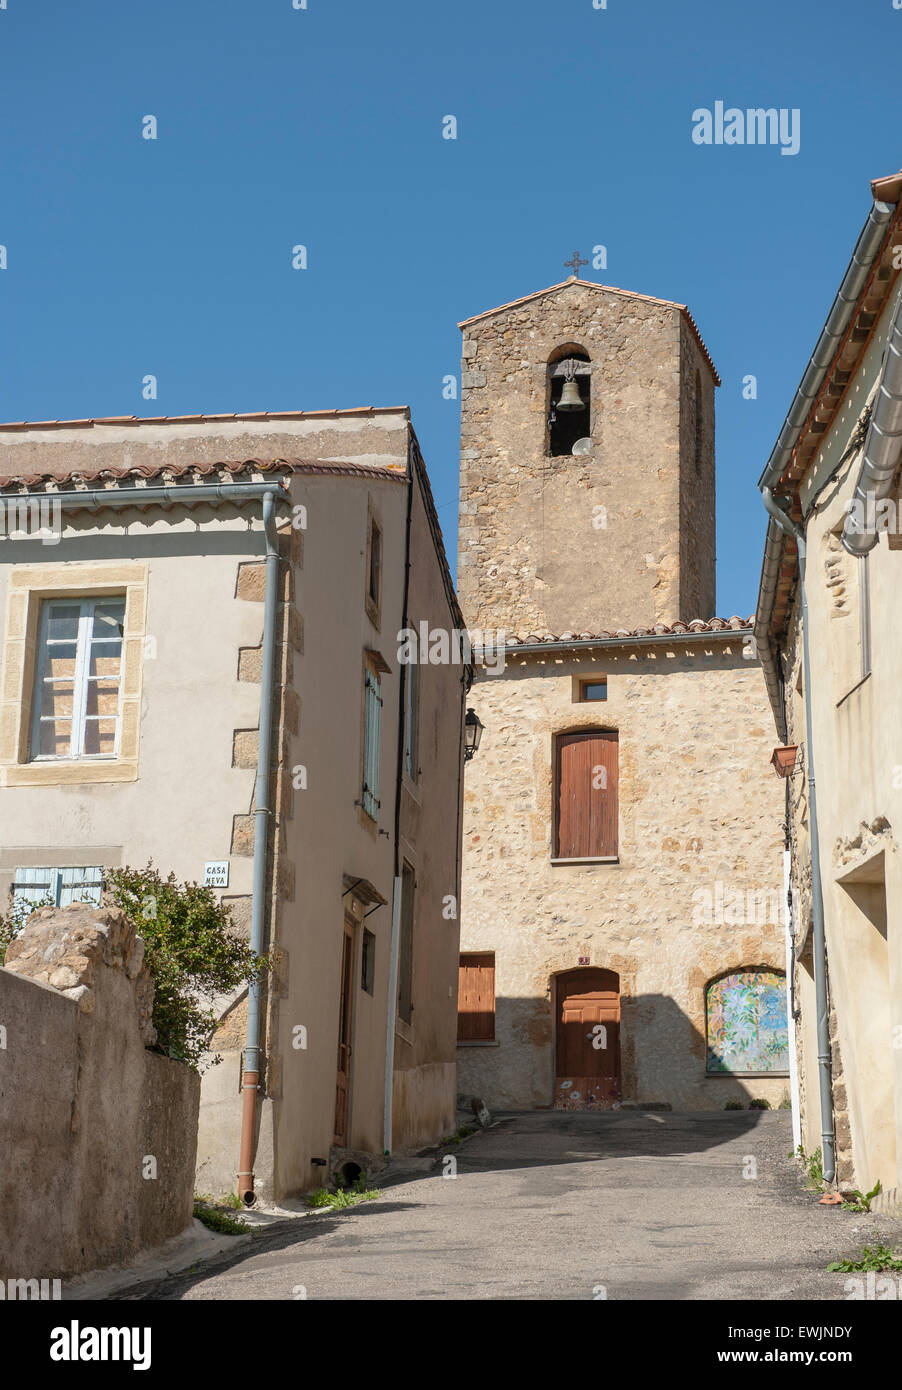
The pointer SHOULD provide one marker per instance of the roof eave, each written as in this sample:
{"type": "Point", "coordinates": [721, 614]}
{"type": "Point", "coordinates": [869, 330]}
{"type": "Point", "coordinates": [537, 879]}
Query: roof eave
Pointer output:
{"type": "Point", "coordinates": [610, 289]}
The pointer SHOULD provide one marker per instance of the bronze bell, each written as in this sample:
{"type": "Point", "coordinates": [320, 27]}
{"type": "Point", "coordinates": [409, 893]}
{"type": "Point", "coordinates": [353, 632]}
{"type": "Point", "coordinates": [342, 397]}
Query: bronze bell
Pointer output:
{"type": "Point", "coordinates": [570, 397]}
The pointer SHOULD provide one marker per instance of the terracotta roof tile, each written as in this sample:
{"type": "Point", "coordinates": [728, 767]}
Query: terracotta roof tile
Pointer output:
{"type": "Point", "coordinates": [110, 476]}
{"type": "Point", "coordinates": [677, 629]}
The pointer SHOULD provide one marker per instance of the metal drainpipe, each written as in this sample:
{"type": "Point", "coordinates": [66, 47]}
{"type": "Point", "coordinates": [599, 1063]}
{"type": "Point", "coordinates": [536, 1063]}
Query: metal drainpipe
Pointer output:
{"type": "Point", "coordinates": [250, 1080]}
{"type": "Point", "coordinates": [95, 499]}
{"type": "Point", "coordinates": [825, 1069]}
{"type": "Point", "coordinates": [397, 885]}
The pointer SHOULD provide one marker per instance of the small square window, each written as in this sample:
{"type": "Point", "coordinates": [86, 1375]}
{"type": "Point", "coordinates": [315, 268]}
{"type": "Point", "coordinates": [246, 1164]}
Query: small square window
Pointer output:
{"type": "Point", "coordinates": [368, 961]}
{"type": "Point", "coordinates": [596, 689]}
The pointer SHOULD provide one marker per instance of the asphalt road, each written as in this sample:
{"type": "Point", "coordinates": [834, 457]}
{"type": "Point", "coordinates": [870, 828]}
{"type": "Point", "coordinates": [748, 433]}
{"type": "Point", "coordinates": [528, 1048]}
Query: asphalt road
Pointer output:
{"type": "Point", "coordinates": [554, 1205]}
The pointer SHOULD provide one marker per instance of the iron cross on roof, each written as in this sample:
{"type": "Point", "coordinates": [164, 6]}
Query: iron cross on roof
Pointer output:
{"type": "Point", "coordinates": [575, 262]}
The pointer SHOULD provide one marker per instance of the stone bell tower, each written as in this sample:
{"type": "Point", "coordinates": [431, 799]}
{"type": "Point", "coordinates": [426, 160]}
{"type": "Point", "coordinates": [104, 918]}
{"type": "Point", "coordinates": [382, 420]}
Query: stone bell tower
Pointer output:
{"type": "Point", "coordinates": [587, 464]}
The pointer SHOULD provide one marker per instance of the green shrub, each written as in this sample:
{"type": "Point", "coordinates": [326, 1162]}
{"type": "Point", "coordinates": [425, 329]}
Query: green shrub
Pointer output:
{"type": "Point", "coordinates": [190, 949]}
{"type": "Point", "coordinates": [734, 1105]}
{"type": "Point", "coordinates": [759, 1103]}
{"type": "Point", "coordinates": [13, 921]}
{"type": "Point", "coordinates": [191, 952]}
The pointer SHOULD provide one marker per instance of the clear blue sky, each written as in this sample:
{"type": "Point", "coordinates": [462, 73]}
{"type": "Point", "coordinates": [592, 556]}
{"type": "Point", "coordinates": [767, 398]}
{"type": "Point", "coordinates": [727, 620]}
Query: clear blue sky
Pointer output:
{"type": "Point", "coordinates": [323, 126]}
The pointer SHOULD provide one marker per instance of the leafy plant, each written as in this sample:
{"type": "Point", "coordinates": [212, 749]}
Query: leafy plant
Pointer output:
{"type": "Point", "coordinates": [759, 1103]}
{"type": "Point", "coordinates": [872, 1258]}
{"type": "Point", "coordinates": [228, 1199]}
{"type": "Point", "coordinates": [861, 1201]}
{"type": "Point", "coordinates": [192, 954]}
{"type": "Point", "coordinates": [349, 1197]}
{"type": "Point", "coordinates": [814, 1168]}
{"type": "Point", "coordinates": [457, 1137]}
{"type": "Point", "coordinates": [12, 922]}
{"type": "Point", "coordinates": [734, 1105]}
{"type": "Point", "coordinates": [191, 951]}
{"type": "Point", "coordinates": [344, 1196]}
{"type": "Point", "coordinates": [219, 1220]}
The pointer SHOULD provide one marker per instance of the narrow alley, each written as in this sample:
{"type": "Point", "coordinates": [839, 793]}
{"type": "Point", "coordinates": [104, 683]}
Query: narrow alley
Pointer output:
{"type": "Point", "coordinates": [551, 1205]}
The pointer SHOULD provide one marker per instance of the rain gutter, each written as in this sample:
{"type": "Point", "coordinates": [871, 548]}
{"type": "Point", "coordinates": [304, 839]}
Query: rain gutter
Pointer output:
{"type": "Point", "coordinates": [881, 448]}
{"type": "Point", "coordinates": [867, 249]}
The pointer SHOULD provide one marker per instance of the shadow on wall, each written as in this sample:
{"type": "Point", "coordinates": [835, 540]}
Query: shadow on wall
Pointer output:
{"type": "Point", "coordinates": [658, 1053]}
{"type": "Point", "coordinates": [105, 1130]}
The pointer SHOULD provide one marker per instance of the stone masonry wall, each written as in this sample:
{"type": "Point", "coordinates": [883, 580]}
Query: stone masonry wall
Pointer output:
{"type": "Point", "coordinates": [698, 539]}
{"type": "Point", "coordinates": [699, 805]}
{"type": "Point", "coordinates": [102, 1163]}
{"type": "Point", "coordinates": [593, 542]}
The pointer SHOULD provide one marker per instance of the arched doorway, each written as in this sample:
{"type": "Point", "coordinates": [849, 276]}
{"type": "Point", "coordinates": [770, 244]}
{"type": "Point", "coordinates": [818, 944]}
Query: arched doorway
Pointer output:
{"type": "Point", "coordinates": [587, 1040]}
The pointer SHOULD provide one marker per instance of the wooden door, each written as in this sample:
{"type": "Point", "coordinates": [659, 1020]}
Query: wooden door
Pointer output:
{"type": "Point", "coordinates": [476, 997]}
{"type": "Point", "coordinates": [586, 810]}
{"type": "Point", "coordinates": [588, 1040]}
{"type": "Point", "coordinates": [345, 1009]}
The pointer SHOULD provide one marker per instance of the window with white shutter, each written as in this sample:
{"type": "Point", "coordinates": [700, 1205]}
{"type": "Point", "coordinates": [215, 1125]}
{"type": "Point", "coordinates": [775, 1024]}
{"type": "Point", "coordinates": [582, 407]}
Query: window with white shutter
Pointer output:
{"type": "Point", "coordinates": [78, 679]}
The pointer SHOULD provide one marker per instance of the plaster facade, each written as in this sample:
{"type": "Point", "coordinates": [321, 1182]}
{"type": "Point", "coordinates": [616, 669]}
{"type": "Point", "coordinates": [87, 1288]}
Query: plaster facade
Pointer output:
{"type": "Point", "coordinates": [857, 677]}
{"type": "Point", "coordinates": [181, 791]}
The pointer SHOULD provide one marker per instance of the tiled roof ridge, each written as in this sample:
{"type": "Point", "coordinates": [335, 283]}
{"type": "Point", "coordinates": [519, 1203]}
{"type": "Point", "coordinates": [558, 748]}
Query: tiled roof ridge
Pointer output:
{"type": "Point", "coordinates": [165, 470]}
{"type": "Point", "coordinates": [611, 289]}
{"type": "Point", "coordinates": [697, 625]}
{"type": "Point", "coordinates": [201, 419]}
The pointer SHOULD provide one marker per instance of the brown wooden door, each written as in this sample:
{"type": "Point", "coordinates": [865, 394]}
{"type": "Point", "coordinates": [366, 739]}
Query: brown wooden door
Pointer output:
{"type": "Point", "coordinates": [476, 997]}
{"type": "Point", "coordinates": [344, 1040]}
{"type": "Point", "coordinates": [588, 1040]}
{"type": "Point", "coordinates": [586, 813]}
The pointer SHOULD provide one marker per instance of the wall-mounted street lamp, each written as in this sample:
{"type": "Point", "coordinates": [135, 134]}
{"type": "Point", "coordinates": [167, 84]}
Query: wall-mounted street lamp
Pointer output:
{"type": "Point", "coordinates": [472, 733]}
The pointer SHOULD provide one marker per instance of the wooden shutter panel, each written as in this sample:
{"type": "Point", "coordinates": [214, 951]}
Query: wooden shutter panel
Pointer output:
{"type": "Point", "coordinates": [586, 795]}
{"type": "Point", "coordinates": [476, 998]}
{"type": "Point", "coordinates": [371, 737]}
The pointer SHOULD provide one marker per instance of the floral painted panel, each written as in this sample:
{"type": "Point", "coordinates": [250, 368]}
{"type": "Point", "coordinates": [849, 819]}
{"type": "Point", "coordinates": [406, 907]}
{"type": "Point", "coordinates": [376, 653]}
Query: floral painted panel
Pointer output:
{"type": "Point", "coordinates": [747, 1023]}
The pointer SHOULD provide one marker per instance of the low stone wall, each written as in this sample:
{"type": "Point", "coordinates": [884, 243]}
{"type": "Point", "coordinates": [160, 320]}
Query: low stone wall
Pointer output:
{"type": "Point", "coordinates": [99, 1134]}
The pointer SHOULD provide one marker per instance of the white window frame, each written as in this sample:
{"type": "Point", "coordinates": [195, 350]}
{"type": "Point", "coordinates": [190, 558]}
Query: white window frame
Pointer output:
{"type": "Point", "coordinates": [81, 680]}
